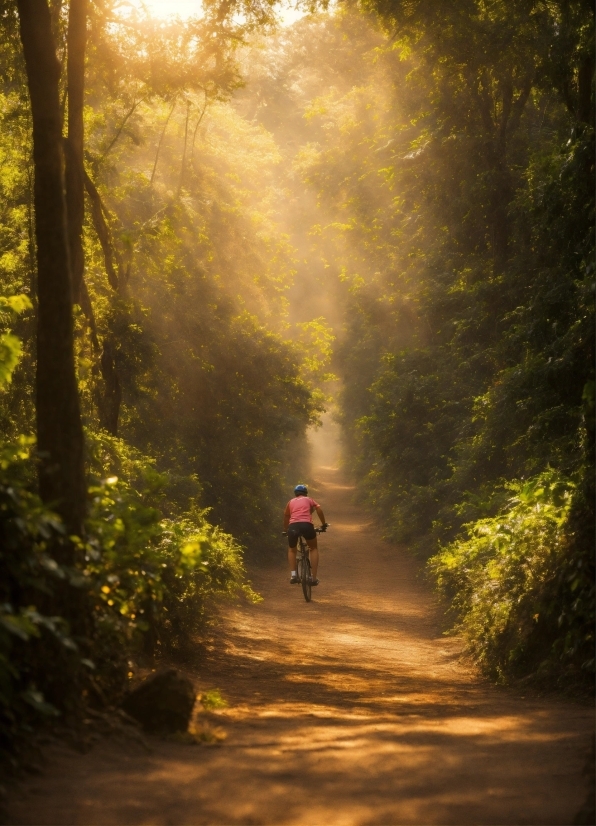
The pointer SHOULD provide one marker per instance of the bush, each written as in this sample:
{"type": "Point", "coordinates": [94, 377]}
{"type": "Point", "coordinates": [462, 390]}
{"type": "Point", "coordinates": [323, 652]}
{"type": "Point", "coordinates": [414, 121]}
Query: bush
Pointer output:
{"type": "Point", "coordinates": [158, 575]}
{"type": "Point", "coordinates": [521, 584]}
{"type": "Point", "coordinates": [39, 660]}
{"type": "Point", "coordinates": [146, 582]}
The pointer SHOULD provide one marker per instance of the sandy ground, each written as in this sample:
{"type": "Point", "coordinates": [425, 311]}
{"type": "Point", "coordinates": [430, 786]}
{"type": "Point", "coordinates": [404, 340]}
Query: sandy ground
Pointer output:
{"type": "Point", "coordinates": [353, 709]}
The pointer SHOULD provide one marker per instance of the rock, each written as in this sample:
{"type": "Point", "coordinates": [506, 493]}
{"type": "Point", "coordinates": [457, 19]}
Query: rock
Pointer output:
{"type": "Point", "coordinates": [162, 703]}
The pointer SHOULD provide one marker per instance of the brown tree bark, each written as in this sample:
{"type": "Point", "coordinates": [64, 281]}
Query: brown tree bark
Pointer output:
{"type": "Point", "coordinates": [59, 429]}
{"type": "Point", "coordinates": [76, 181]}
{"type": "Point", "coordinates": [585, 97]}
{"type": "Point", "coordinates": [109, 405]}
{"type": "Point", "coordinates": [103, 233]}
{"type": "Point", "coordinates": [75, 188]}
{"type": "Point", "coordinates": [161, 137]}
{"type": "Point", "coordinates": [183, 164]}
{"type": "Point", "coordinates": [108, 401]}
{"type": "Point", "coordinates": [499, 132]}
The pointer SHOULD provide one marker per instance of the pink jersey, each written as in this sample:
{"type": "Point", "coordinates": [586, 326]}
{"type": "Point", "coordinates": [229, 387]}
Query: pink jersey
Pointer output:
{"type": "Point", "coordinates": [301, 508]}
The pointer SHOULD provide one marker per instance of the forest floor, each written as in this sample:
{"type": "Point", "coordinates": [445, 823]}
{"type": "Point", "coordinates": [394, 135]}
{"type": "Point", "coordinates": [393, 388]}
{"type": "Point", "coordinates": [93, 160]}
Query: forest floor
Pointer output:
{"type": "Point", "coordinates": [353, 709]}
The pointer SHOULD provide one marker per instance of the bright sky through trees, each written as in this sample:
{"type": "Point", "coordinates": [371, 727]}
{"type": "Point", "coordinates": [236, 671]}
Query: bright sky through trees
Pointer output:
{"type": "Point", "coordinates": [171, 8]}
{"type": "Point", "coordinates": [189, 8]}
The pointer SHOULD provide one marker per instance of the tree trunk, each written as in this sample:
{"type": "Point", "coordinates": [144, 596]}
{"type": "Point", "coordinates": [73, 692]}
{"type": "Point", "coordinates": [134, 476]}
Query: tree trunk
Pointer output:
{"type": "Point", "coordinates": [501, 199]}
{"type": "Point", "coordinates": [75, 188]}
{"type": "Point", "coordinates": [109, 403]}
{"type": "Point", "coordinates": [585, 98]}
{"type": "Point", "coordinates": [59, 430]}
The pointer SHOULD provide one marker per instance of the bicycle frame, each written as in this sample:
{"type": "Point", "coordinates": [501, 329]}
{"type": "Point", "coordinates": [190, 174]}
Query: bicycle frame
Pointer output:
{"type": "Point", "coordinates": [303, 563]}
{"type": "Point", "coordinates": [303, 567]}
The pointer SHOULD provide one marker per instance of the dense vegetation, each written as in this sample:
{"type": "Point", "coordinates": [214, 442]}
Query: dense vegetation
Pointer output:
{"type": "Point", "coordinates": [453, 165]}
{"type": "Point", "coordinates": [418, 186]}
{"type": "Point", "coordinates": [193, 393]}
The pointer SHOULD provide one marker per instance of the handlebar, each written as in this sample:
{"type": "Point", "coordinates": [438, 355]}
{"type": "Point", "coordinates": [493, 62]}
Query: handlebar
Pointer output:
{"type": "Point", "coordinates": [322, 529]}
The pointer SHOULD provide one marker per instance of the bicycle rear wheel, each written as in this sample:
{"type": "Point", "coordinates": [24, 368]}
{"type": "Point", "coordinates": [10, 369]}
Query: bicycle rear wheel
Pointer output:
{"type": "Point", "coordinates": [305, 572]}
{"type": "Point", "coordinates": [299, 559]}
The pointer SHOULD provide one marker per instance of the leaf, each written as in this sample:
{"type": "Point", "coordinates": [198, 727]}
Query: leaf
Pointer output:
{"type": "Point", "coordinates": [37, 701]}
{"type": "Point", "coordinates": [10, 354]}
{"type": "Point", "coordinates": [15, 304]}
{"type": "Point", "coordinates": [212, 699]}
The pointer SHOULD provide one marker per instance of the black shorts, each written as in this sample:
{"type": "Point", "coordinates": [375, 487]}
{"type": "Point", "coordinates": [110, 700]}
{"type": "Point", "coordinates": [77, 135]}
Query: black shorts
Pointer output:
{"type": "Point", "coordinates": [296, 529]}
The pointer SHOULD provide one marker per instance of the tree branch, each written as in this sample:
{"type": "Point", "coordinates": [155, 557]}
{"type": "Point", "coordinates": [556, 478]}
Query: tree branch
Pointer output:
{"type": "Point", "coordinates": [184, 150]}
{"type": "Point", "coordinates": [161, 137]}
{"type": "Point", "coordinates": [194, 134]}
{"type": "Point", "coordinates": [122, 125]}
{"type": "Point", "coordinates": [483, 103]}
{"type": "Point", "coordinates": [519, 104]}
{"type": "Point", "coordinates": [103, 232]}
{"type": "Point", "coordinates": [507, 102]}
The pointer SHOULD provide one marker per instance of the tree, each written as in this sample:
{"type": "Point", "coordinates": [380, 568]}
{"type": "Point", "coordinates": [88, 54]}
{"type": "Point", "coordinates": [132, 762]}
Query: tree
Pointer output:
{"type": "Point", "coordinates": [59, 429]}
{"type": "Point", "coordinates": [483, 60]}
{"type": "Point", "coordinates": [74, 172]}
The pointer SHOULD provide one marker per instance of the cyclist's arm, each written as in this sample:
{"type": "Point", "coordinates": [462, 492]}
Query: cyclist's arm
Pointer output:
{"type": "Point", "coordinates": [286, 517]}
{"type": "Point", "coordinates": [321, 515]}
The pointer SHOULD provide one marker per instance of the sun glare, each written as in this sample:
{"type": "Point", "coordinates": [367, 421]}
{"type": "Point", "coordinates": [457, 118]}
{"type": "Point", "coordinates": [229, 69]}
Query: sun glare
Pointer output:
{"type": "Point", "coordinates": [193, 8]}
{"type": "Point", "coordinates": [172, 8]}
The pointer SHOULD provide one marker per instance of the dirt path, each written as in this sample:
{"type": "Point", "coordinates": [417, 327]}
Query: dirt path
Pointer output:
{"type": "Point", "coordinates": [351, 710]}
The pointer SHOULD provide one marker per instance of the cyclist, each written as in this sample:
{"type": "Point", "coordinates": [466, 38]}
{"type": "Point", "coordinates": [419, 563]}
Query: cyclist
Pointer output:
{"type": "Point", "coordinates": [298, 522]}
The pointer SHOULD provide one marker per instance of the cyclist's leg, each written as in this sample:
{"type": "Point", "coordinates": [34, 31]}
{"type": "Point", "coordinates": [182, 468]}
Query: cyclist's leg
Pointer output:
{"type": "Point", "coordinates": [292, 542]}
{"type": "Point", "coordinates": [314, 556]}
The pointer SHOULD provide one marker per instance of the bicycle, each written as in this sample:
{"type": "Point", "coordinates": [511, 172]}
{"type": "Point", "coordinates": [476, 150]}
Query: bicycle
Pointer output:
{"type": "Point", "coordinates": [303, 563]}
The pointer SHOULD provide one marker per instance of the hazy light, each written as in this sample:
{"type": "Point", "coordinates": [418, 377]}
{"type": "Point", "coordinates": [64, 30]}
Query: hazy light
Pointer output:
{"type": "Point", "coordinates": [171, 8]}
{"type": "Point", "coordinates": [194, 8]}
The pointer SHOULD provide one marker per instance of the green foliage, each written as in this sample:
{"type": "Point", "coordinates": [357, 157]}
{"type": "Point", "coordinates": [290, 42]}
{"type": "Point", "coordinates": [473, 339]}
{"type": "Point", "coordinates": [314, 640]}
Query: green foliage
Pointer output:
{"type": "Point", "coordinates": [10, 345]}
{"type": "Point", "coordinates": [39, 659]}
{"type": "Point", "coordinates": [188, 279]}
{"type": "Point", "coordinates": [211, 387]}
{"type": "Point", "coordinates": [523, 595]}
{"type": "Point", "coordinates": [195, 399]}
{"type": "Point", "coordinates": [147, 583]}
{"type": "Point", "coordinates": [414, 215]}
{"type": "Point", "coordinates": [453, 177]}
{"type": "Point", "coordinates": [212, 699]}
{"type": "Point", "coordinates": [158, 573]}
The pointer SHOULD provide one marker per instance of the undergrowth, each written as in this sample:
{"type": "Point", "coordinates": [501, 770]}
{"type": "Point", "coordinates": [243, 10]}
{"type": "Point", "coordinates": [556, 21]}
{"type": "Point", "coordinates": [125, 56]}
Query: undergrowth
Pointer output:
{"type": "Point", "coordinates": [147, 576]}
{"type": "Point", "coordinates": [521, 585]}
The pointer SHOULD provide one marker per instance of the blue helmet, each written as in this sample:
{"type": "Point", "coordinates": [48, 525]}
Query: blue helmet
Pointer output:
{"type": "Point", "coordinates": [301, 490]}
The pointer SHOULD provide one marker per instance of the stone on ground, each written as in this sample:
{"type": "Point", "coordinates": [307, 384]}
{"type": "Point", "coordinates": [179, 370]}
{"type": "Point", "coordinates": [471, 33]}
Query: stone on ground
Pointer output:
{"type": "Point", "coordinates": [162, 703]}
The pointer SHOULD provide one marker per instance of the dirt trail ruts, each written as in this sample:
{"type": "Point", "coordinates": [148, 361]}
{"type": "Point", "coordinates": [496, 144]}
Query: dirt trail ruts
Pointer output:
{"type": "Point", "coordinates": [351, 710]}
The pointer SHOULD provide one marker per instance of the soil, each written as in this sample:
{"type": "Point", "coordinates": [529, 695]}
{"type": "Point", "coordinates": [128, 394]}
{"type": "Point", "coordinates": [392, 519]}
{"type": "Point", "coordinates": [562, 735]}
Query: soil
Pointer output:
{"type": "Point", "coordinates": [354, 709]}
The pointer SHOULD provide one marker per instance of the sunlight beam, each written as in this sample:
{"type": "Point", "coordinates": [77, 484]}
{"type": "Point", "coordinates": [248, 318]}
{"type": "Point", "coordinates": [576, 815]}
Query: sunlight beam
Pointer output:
{"type": "Point", "coordinates": [185, 9]}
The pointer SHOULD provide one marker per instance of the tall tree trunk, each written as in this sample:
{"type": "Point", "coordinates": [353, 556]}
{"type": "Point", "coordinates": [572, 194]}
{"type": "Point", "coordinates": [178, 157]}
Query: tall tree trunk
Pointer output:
{"type": "Point", "coordinates": [585, 97]}
{"type": "Point", "coordinates": [183, 164]}
{"type": "Point", "coordinates": [109, 403]}
{"type": "Point", "coordinates": [75, 187]}
{"type": "Point", "coordinates": [59, 430]}
{"type": "Point", "coordinates": [502, 193]}
{"type": "Point", "coordinates": [161, 137]}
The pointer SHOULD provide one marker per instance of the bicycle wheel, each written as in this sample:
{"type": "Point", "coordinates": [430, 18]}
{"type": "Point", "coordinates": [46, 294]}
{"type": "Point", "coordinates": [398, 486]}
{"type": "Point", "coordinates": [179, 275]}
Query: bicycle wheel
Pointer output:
{"type": "Point", "coordinates": [305, 573]}
{"type": "Point", "coordinates": [299, 560]}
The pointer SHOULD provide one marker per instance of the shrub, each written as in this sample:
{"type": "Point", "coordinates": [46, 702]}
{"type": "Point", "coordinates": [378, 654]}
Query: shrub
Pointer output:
{"type": "Point", "coordinates": [146, 582]}
{"type": "Point", "coordinates": [158, 575]}
{"type": "Point", "coordinates": [521, 586]}
{"type": "Point", "coordinates": [39, 660]}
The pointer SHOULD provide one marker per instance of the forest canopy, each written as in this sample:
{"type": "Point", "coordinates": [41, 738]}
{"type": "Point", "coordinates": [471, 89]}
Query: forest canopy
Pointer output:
{"type": "Point", "coordinates": [208, 225]}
